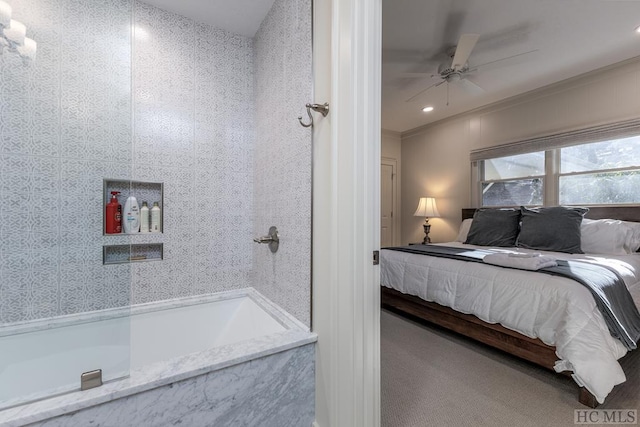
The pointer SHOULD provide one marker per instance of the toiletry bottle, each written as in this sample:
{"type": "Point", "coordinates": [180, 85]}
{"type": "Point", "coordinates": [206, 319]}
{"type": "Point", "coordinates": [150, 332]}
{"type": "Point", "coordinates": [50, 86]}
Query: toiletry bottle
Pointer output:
{"type": "Point", "coordinates": [144, 218]}
{"type": "Point", "coordinates": [131, 216]}
{"type": "Point", "coordinates": [113, 217]}
{"type": "Point", "coordinates": [155, 218]}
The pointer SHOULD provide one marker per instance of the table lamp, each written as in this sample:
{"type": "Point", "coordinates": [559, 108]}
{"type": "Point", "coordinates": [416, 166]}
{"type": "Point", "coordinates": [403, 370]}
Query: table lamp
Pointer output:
{"type": "Point", "coordinates": [427, 208]}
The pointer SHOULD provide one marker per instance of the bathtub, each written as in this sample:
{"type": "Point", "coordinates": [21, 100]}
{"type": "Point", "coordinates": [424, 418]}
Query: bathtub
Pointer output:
{"type": "Point", "coordinates": [196, 346]}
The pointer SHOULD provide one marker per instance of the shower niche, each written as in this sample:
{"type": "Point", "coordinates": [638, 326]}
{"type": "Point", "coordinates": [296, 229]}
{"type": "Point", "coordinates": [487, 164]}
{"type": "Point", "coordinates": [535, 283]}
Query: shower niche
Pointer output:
{"type": "Point", "coordinates": [122, 254]}
{"type": "Point", "coordinates": [140, 246]}
{"type": "Point", "coordinates": [150, 192]}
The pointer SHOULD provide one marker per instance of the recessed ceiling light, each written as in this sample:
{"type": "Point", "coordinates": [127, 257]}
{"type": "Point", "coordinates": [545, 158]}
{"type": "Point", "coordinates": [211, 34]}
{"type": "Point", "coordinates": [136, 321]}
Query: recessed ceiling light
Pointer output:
{"type": "Point", "coordinates": [427, 109]}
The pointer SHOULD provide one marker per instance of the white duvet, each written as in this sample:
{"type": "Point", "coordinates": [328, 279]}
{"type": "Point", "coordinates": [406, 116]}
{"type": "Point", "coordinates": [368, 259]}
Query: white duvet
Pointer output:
{"type": "Point", "coordinates": [557, 310]}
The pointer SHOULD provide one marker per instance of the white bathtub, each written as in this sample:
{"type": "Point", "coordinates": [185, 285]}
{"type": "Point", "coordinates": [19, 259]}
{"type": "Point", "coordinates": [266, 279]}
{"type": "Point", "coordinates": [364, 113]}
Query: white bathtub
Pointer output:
{"type": "Point", "coordinates": [169, 341]}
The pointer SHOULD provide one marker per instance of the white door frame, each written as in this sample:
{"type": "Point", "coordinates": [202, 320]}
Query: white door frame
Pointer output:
{"type": "Point", "coordinates": [346, 212]}
{"type": "Point", "coordinates": [395, 219]}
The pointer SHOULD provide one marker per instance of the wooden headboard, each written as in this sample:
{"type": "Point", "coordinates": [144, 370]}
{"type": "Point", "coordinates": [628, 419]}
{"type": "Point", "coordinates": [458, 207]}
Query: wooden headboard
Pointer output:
{"type": "Point", "coordinates": [624, 213]}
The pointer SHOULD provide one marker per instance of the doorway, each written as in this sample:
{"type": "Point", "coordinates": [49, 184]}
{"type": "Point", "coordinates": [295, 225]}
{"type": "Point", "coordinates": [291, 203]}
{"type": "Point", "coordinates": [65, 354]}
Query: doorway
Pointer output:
{"type": "Point", "coordinates": [388, 202]}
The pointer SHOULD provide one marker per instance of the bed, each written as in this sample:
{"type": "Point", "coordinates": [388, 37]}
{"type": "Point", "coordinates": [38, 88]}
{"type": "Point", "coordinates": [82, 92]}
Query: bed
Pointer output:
{"type": "Point", "coordinates": [548, 320]}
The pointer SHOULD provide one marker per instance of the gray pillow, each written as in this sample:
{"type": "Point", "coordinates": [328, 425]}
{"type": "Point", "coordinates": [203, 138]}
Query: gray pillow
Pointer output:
{"type": "Point", "coordinates": [494, 227]}
{"type": "Point", "coordinates": [554, 229]}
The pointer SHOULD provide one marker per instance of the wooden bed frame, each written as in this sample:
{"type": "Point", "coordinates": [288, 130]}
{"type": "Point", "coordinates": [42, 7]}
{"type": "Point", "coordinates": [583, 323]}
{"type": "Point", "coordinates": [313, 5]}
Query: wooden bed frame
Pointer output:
{"type": "Point", "coordinates": [496, 335]}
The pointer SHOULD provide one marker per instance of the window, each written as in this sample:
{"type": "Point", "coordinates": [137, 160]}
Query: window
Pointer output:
{"type": "Point", "coordinates": [606, 172]}
{"type": "Point", "coordinates": [596, 166]}
{"type": "Point", "coordinates": [513, 180]}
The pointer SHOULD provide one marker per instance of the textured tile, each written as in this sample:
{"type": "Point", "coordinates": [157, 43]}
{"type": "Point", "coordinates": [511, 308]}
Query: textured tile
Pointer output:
{"type": "Point", "coordinates": [282, 196]}
{"type": "Point", "coordinates": [204, 104]}
{"type": "Point", "coordinates": [95, 102]}
{"type": "Point", "coordinates": [90, 286]}
{"type": "Point", "coordinates": [29, 269]}
{"type": "Point", "coordinates": [29, 126]}
{"type": "Point", "coordinates": [29, 234]}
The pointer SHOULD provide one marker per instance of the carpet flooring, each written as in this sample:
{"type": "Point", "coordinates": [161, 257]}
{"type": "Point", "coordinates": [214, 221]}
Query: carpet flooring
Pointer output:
{"type": "Point", "coordinates": [433, 377]}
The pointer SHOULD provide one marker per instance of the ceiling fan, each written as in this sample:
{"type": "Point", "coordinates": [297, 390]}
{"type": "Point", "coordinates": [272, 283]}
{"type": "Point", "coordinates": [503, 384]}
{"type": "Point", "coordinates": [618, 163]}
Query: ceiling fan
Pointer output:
{"type": "Point", "coordinates": [459, 70]}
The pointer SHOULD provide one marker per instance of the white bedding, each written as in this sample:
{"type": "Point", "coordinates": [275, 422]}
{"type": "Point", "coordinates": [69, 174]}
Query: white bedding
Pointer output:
{"type": "Point", "coordinates": [557, 310]}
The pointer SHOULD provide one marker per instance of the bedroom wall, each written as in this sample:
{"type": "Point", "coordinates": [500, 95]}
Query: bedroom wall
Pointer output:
{"type": "Point", "coordinates": [391, 144]}
{"type": "Point", "coordinates": [436, 157]}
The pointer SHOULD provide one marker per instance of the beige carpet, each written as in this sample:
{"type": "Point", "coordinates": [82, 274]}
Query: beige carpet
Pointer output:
{"type": "Point", "coordinates": [432, 377]}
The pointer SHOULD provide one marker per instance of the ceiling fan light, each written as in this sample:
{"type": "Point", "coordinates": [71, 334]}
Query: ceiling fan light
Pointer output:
{"type": "Point", "coordinates": [427, 109]}
{"type": "Point", "coordinates": [454, 77]}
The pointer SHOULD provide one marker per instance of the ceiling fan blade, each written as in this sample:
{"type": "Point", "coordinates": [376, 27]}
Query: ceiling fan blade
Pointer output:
{"type": "Point", "coordinates": [470, 87]}
{"type": "Point", "coordinates": [424, 90]}
{"type": "Point", "coordinates": [475, 67]}
{"type": "Point", "coordinates": [463, 50]}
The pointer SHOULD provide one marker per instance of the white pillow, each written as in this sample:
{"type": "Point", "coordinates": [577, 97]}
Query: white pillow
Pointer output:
{"type": "Point", "coordinates": [633, 241]}
{"type": "Point", "coordinates": [606, 236]}
{"type": "Point", "coordinates": [464, 230]}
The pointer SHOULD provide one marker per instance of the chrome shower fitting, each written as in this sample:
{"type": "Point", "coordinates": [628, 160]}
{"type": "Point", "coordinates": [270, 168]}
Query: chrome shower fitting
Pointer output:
{"type": "Point", "coordinates": [273, 239]}
{"type": "Point", "coordinates": [319, 108]}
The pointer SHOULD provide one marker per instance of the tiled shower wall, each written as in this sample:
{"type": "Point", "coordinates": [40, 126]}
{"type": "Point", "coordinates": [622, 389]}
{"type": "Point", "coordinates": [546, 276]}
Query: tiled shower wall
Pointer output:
{"type": "Point", "coordinates": [282, 165]}
{"type": "Point", "coordinates": [193, 130]}
{"type": "Point", "coordinates": [172, 101]}
{"type": "Point", "coordinates": [66, 123]}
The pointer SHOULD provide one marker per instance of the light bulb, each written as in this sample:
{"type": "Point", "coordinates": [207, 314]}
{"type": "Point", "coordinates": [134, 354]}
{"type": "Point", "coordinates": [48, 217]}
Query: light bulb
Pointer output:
{"type": "Point", "coordinates": [5, 14]}
{"type": "Point", "coordinates": [15, 33]}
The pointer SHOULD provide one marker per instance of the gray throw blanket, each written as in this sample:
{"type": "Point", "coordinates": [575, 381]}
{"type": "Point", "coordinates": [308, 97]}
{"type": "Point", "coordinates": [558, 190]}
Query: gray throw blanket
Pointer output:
{"type": "Point", "coordinates": [608, 289]}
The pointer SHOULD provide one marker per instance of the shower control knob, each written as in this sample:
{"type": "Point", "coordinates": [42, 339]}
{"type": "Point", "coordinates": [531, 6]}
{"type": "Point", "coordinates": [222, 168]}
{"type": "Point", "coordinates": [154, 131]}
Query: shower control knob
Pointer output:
{"type": "Point", "coordinates": [273, 239]}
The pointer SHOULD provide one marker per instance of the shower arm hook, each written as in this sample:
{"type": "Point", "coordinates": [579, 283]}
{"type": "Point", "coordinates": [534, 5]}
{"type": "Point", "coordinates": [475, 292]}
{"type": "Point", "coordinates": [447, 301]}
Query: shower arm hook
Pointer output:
{"type": "Point", "coordinates": [319, 108]}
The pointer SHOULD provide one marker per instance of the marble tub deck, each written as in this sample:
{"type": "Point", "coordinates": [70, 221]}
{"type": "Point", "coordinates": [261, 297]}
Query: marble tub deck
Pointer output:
{"type": "Point", "coordinates": [175, 370]}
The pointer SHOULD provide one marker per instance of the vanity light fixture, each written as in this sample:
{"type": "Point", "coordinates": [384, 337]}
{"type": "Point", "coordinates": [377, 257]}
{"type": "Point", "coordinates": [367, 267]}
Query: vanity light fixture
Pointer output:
{"type": "Point", "coordinates": [12, 35]}
{"type": "Point", "coordinates": [427, 109]}
{"type": "Point", "coordinates": [638, 29]}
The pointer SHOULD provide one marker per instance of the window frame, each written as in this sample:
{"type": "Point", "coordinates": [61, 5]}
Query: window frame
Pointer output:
{"type": "Point", "coordinates": [551, 146]}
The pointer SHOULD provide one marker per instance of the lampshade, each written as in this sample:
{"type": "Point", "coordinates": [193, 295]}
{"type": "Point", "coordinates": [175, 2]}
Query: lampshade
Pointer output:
{"type": "Point", "coordinates": [427, 208]}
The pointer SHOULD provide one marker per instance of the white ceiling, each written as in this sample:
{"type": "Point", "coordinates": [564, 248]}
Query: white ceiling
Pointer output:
{"type": "Point", "coordinates": [571, 37]}
{"type": "Point", "coordinates": [236, 16]}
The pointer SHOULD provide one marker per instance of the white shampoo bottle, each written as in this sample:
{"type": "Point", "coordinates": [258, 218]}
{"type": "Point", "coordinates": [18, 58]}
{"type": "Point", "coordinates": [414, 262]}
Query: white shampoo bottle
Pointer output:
{"type": "Point", "coordinates": [131, 216]}
{"type": "Point", "coordinates": [156, 227]}
{"type": "Point", "coordinates": [144, 218]}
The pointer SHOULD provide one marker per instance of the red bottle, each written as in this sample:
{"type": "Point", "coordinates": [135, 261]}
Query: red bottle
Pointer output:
{"type": "Point", "coordinates": [114, 215]}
